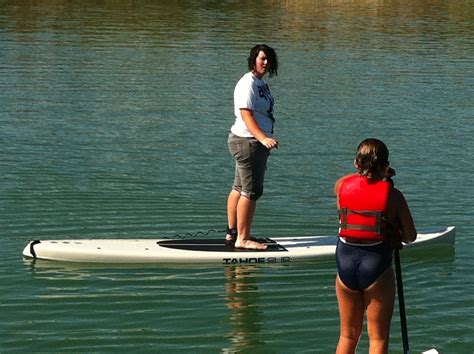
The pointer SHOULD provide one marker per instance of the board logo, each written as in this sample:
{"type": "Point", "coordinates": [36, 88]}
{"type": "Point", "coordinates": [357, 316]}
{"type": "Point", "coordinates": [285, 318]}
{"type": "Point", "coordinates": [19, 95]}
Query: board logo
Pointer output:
{"type": "Point", "coordinates": [256, 260]}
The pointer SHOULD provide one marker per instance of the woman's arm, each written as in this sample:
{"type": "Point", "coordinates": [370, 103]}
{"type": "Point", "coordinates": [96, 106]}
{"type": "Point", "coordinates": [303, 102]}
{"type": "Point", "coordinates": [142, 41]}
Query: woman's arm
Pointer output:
{"type": "Point", "coordinates": [403, 215]}
{"type": "Point", "coordinates": [407, 225]}
{"type": "Point", "coordinates": [254, 129]}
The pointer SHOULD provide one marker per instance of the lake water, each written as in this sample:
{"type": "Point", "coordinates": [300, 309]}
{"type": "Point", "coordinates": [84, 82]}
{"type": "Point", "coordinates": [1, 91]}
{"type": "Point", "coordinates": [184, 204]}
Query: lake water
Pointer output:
{"type": "Point", "coordinates": [114, 119]}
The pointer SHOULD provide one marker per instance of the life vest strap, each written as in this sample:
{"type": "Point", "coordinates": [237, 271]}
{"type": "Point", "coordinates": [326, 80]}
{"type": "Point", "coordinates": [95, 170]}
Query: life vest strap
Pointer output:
{"type": "Point", "coordinates": [344, 225]}
{"type": "Point", "coordinates": [359, 227]}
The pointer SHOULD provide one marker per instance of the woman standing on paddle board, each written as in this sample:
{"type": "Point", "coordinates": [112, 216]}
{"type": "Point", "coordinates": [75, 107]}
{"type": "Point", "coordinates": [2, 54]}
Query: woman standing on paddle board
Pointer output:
{"type": "Point", "coordinates": [250, 141]}
{"type": "Point", "coordinates": [374, 219]}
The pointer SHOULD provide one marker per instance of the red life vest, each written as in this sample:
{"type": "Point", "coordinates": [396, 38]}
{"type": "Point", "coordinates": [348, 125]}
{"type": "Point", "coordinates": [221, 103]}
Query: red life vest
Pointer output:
{"type": "Point", "coordinates": [362, 202]}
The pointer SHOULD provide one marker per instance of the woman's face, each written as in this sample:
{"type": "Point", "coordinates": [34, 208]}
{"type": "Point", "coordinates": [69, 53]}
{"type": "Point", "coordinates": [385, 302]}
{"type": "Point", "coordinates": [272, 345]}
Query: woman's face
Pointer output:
{"type": "Point", "coordinates": [261, 65]}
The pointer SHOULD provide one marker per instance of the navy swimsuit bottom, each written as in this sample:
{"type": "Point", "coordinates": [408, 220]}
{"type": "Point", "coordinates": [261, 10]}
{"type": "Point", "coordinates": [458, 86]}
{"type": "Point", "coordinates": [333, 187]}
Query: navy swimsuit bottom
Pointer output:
{"type": "Point", "coordinates": [360, 266]}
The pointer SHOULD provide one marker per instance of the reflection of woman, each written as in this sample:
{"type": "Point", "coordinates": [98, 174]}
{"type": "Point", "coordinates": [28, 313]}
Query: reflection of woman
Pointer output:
{"type": "Point", "coordinates": [242, 295]}
{"type": "Point", "coordinates": [250, 142]}
{"type": "Point", "coordinates": [374, 218]}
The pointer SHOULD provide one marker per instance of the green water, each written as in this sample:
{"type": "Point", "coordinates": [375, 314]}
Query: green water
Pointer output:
{"type": "Point", "coordinates": [114, 119]}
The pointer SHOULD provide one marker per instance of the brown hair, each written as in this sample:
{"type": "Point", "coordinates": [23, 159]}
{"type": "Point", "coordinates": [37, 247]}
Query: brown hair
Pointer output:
{"type": "Point", "coordinates": [371, 155]}
{"type": "Point", "coordinates": [271, 55]}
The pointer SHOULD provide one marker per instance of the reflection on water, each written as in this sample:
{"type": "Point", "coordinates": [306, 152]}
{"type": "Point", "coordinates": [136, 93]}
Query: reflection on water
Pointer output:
{"type": "Point", "coordinates": [245, 318]}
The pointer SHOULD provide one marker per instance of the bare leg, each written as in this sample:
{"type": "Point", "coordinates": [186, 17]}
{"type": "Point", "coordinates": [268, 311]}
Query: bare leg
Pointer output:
{"type": "Point", "coordinates": [379, 300]}
{"type": "Point", "coordinates": [351, 313]}
{"type": "Point", "coordinates": [245, 212]}
{"type": "Point", "coordinates": [232, 202]}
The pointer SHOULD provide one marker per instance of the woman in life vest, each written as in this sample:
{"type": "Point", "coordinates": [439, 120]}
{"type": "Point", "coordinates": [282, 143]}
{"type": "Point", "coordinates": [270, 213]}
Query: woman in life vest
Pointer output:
{"type": "Point", "coordinates": [374, 219]}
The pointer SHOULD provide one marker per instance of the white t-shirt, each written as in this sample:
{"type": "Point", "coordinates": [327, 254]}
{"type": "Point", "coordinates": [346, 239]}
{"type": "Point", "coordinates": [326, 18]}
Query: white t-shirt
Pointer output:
{"type": "Point", "coordinates": [254, 94]}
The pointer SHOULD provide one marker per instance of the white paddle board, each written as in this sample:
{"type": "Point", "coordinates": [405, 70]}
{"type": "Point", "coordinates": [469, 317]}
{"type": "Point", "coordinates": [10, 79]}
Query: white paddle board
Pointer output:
{"type": "Point", "coordinates": [135, 251]}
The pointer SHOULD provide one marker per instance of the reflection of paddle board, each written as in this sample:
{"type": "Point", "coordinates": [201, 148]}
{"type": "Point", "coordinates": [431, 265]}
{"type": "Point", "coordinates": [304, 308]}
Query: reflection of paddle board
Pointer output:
{"type": "Point", "coordinates": [280, 249]}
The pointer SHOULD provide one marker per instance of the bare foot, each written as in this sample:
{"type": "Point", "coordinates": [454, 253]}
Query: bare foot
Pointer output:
{"type": "Point", "coordinates": [249, 244]}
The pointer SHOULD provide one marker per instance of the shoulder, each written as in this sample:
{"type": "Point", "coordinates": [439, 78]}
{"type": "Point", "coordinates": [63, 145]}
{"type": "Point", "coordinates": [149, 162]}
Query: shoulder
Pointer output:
{"type": "Point", "coordinates": [340, 182]}
{"type": "Point", "coordinates": [245, 85]}
{"type": "Point", "coordinates": [246, 79]}
{"type": "Point", "coordinates": [396, 197]}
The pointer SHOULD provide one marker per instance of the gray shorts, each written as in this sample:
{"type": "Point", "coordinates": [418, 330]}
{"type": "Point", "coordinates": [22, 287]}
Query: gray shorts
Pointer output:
{"type": "Point", "coordinates": [250, 165]}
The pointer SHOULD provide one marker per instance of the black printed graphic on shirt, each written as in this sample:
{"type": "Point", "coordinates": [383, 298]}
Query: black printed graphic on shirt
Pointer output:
{"type": "Point", "coordinates": [264, 92]}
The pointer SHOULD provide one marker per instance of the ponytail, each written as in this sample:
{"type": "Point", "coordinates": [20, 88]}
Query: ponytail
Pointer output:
{"type": "Point", "coordinates": [371, 155]}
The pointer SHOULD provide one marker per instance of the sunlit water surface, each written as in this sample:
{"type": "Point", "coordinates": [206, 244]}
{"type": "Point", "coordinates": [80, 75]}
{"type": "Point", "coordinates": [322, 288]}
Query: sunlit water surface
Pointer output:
{"type": "Point", "coordinates": [114, 118]}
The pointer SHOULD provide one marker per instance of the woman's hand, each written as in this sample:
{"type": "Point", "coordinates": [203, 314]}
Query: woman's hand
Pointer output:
{"type": "Point", "coordinates": [269, 143]}
{"type": "Point", "coordinates": [389, 172]}
{"type": "Point", "coordinates": [254, 129]}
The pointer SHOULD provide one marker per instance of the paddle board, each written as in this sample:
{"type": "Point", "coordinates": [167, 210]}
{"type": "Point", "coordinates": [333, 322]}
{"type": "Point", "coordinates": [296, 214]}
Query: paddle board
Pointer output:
{"type": "Point", "coordinates": [280, 249]}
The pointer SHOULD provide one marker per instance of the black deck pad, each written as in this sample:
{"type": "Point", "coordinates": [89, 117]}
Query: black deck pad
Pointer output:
{"type": "Point", "coordinates": [217, 245]}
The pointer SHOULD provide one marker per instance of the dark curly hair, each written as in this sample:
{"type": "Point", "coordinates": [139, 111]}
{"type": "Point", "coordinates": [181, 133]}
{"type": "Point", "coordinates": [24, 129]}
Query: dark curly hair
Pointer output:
{"type": "Point", "coordinates": [370, 156]}
{"type": "Point", "coordinates": [271, 55]}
